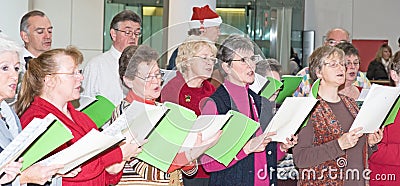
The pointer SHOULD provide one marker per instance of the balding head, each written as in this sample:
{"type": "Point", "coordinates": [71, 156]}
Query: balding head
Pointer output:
{"type": "Point", "coordinates": [336, 36]}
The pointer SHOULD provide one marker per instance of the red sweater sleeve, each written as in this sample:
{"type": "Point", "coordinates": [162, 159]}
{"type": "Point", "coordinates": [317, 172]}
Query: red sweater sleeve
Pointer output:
{"type": "Point", "coordinates": [181, 162]}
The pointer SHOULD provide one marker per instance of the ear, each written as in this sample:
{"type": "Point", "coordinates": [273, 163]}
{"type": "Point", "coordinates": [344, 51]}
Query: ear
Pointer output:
{"type": "Point", "coordinates": [113, 34]}
{"type": "Point", "coordinates": [50, 81]}
{"type": "Point", "coordinates": [128, 82]}
{"type": "Point", "coordinates": [394, 75]}
{"type": "Point", "coordinates": [24, 36]}
{"type": "Point", "coordinates": [226, 68]}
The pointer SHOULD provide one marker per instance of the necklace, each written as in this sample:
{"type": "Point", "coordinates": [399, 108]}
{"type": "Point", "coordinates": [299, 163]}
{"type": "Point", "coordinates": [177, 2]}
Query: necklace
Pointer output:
{"type": "Point", "coordinates": [187, 98]}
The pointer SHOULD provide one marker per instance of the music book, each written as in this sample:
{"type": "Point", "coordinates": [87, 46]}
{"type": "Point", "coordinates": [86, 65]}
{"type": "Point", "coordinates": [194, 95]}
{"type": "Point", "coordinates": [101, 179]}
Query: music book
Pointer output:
{"type": "Point", "coordinates": [298, 108]}
{"type": "Point", "coordinates": [137, 121]}
{"type": "Point", "coordinates": [290, 84]}
{"type": "Point", "coordinates": [208, 125]}
{"type": "Point", "coordinates": [265, 87]}
{"type": "Point", "coordinates": [89, 146]}
{"type": "Point", "coordinates": [235, 135]}
{"type": "Point", "coordinates": [361, 97]}
{"type": "Point", "coordinates": [56, 135]}
{"type": "Point", "coordinates": [24, 139]}
{"type": "Point", "coordinates": [99, 109]}
{"type": "Point", "coordinates": [376, 108]}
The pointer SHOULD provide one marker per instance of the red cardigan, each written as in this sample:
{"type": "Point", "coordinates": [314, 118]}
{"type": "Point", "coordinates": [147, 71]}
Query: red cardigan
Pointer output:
{"type": "Point", "coordinates": [385, 162]}
{"type": "Point", "coordinates": [93, 171]}
{"type": "Point", "coordinates": [192, 98]}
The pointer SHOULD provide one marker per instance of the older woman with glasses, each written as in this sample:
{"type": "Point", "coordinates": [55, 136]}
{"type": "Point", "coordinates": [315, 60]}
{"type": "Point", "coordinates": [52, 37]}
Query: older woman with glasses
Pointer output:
{"type": "Point", "coordinates": [327, 151]}
{"type": "Point", "coordinates": [10, 124]}
{"type": "Point", "coordinates": [190, 87]}
{"type": "Point", "coordinates": [352, 64]}
{"type": "Point", "coordinates": [50, 83]}
{"type": "Point", "coordinates": [139, 71]}
{"type": "Point", "coordinates": [237, 64]}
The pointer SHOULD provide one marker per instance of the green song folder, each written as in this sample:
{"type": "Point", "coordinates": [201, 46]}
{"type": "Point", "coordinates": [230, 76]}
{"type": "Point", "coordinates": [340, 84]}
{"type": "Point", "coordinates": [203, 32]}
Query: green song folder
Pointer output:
{"type": "Point", "coordinates": [100, 110]}
{"type": "Point", "coordinates": [290, 84]}
{"type": "Point", "coordinates": [235, 135]}
{"type": "Point", "coordinates": [270, 87]}
{"type": "Point", "coordinates": [56, 135]}
{"type": "Point", "coordinates": [313, 93]}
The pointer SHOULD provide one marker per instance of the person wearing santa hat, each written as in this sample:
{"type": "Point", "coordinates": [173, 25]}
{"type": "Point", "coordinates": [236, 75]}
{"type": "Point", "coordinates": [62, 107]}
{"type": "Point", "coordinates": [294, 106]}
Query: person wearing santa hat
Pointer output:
{"type": "Point", "coordinates": [205, 23]}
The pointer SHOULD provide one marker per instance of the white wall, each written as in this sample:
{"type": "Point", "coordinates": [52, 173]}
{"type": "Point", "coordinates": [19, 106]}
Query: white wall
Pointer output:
{"type": "Point", "coordinates": [11, 13]}
{"type": "Point", "coordinates": [364, 19]}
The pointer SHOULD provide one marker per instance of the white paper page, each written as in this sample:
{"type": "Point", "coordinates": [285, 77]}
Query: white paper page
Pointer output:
{"type": "Point", "coordinates": [208, 125]}
{"type": "Point", "coordinates": [168, 75]}
{"type": "Point", "coordinates": [141, 119]}
{"type": "Point", "coordinates": [258, 83]}
{"type": "Point", "coordinates": [84, 101]}
{"type": "Point", "coordinates": [93, 143]}
{"type": "Point", "coordinates": [24, 139]}
{"type": "Point", "coordinates": [376, 107]}
{"type": "Point", "coordinates": [290, 117]}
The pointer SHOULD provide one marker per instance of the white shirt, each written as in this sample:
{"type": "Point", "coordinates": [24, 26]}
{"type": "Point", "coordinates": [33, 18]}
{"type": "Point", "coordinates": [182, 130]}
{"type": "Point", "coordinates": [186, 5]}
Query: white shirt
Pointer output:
{"type": "Point", "coordinates": [101, 77]}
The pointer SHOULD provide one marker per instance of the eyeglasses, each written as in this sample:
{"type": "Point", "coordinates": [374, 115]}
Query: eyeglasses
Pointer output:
{"type": "Point", "coordinates": [253, 59]}
{"type": "Point", "coordinates": [213, 60]}
{"type": "Point", "coordinates": [334, 64]}
{"type": "Point", "coordinates": [355, 63]}
{"type": "Point", "coordinates": [75, 73]}
{"type": "Point", "coordinates": [333, 42]}
{"type": "Point", "coordinates": [130, 33]}
{"type": "Point", "coordinates": [149, 78]}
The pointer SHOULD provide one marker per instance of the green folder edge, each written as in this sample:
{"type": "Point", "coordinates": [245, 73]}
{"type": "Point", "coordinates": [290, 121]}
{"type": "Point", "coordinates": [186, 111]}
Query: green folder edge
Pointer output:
{"type": "Point", "coordinates": [56, 135]}
{"type": "Point", "coordinates": [100, 111]}
{"type": "Point", "coordinates": [176, 137]}
{"type": "Point", "coordinates": [290, 84]}
{"type": "Point", "coordinates": [226, 157]}
{"type": "Point", "coordinates": [271, 87]}
{"type": "Point", "coordinates": [314, 93]}
{"type": "Point", "coordinates": [393, 113]}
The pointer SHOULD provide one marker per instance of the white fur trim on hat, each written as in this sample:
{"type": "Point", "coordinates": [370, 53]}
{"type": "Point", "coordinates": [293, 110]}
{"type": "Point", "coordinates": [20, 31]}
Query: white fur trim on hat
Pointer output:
{"type": "Point", "coordinates": [206, 23]}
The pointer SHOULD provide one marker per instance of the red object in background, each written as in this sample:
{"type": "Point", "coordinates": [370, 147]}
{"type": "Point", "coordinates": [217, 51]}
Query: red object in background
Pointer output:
{"type": "Point", "coordinates": [367, 49]}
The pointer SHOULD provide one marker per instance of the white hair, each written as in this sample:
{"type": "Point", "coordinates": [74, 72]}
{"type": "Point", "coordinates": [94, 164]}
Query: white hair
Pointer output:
{"type": "Point", "coordinates": [7, 45]}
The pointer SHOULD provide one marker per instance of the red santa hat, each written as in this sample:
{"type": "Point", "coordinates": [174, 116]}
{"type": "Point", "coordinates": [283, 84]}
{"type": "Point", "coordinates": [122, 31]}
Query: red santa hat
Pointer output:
{"type": "Point", "coordinates": [203, 17]}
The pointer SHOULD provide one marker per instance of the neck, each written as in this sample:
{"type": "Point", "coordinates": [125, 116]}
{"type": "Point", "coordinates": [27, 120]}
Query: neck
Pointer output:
{"type": "Point", "coordinates": [61, 105]}
{"type": "Point", "coordinates": [33, 52]}
{"type": "Point", "coordinates": [329, 93]}
{"type": "Point", "coordinates": [192, 81]}
{"type": "Point", "coordinates": [233, 81]}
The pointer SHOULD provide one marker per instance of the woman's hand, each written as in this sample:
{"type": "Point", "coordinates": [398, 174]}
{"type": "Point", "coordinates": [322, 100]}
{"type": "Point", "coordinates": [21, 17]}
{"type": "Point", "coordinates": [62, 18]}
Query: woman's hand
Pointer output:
{"type": "Point", "coordinates": [130, 149]}
{"type": "Point", "coordinates": [375, 138]}
{"type": "Point", "coordinates": [39, 174]}
{"type": "Point", "coordinates": [290, 143]}
{"type": "Point", "coordinates": [11, 171]}
{"type": "Point", "coordinates": [350, 139]}
{"type": "Point", "coordinates": [201, 146]}
{"type": "Point", "coordinates": [72, 173]}
{"type": "Point", "coordinates": [258, 144]}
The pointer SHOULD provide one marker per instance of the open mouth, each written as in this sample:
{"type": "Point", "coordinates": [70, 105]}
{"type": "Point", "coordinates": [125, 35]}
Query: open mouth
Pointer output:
{"type": "Point", "coordinates": [13, 86]}
{"type": "Point", "coordinates": [251, 73]}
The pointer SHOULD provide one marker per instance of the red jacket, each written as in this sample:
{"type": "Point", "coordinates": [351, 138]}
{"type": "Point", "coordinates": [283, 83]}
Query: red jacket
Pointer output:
{"type": "Point", "coordinates": [93, 171]}
{"type": "Point", "coordinates": [385, 162]}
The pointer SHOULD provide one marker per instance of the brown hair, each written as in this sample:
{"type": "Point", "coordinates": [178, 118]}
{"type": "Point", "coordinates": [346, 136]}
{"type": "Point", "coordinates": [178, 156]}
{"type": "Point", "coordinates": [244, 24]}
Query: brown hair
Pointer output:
{"type": "Point", "coordinates": [126, 56]}
{"type": "Point", "coordinates": [320, 56]}
{"type": "Point", "coordinates": [33, 81]}
{"type": "Point", "coordinates": [379, 53]}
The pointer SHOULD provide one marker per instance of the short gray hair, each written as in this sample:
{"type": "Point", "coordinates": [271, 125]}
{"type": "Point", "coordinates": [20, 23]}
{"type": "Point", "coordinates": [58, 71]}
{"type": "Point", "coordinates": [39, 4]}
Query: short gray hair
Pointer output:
{"type": "Point", "coordinates": [319, 57]}
{"type": "Point", "coordinates": [231, 45]}
{"type": "Point", "coordinates": [23, 26]}
{"type": "Point", "coordinates": [269, 64]}
{"type": "Point", "coordinates": [7, 45]}
{"type": "Point", "coordinates": [143, 53]}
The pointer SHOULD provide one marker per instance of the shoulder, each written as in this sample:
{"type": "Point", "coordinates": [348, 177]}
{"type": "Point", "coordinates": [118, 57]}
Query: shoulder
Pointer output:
{"type": "Point", "coordinates": [101, 58]}
{"type": "Point", "coordinates": [32, 112]}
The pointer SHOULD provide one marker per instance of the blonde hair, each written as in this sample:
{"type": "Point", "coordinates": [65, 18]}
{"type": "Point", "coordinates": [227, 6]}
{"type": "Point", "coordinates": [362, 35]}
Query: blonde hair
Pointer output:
{"type": "Point", "coordinates": [33, 80]}
{"type": "Point", "coordinates": [189, 48]}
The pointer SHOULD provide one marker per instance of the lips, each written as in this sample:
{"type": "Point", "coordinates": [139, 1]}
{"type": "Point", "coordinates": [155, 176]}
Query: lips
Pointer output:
{"type": "Point", "coordinates": [13, 86]}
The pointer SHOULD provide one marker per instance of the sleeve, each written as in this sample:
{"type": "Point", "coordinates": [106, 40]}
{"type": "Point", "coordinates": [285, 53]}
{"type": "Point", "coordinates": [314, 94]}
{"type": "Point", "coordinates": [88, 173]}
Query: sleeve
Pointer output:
{"type": "Point", "coordinates": [181, 162]}
{"type": "Point", "coordinates": [387, 153]}
{"type": "Point", "coordinates": [90, 74]}
{"type": "Point", "coordinates": [305, 154]}
{"type": "Point", "coordinates": [304, 88]}
{"type": "Point", "coordinates": [111, 157]}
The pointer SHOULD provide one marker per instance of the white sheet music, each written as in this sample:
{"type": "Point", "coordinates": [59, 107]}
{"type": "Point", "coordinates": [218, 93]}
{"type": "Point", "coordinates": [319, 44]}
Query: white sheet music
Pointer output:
{"type": "Point", "coordinates": [24, 139]}
{"type": "Point", "coordinates": [90, 145]}
{"type": "Point", "coordinates": [290, 117]}
{"type": "Point", "coordinates": [376, 107]}
{"type": "Point", "coordinates": [258, 83]}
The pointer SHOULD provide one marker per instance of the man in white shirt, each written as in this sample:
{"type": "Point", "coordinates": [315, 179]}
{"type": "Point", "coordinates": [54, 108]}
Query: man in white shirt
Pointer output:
{"type": "Point", "coordinates": [101, 72]}
{"type": "Point", "coordinates": [36, 31]}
